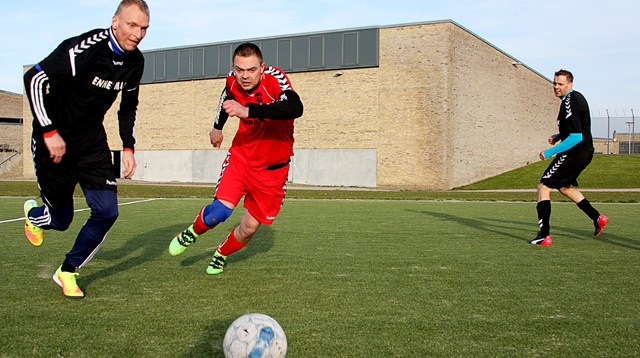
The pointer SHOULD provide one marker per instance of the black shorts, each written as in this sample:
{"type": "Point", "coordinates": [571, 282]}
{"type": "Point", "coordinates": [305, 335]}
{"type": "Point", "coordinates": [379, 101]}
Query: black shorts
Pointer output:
{"type": "Point", "coordinates": [565, 169]}
{"type": "Point", "coordinates": [92, 169]}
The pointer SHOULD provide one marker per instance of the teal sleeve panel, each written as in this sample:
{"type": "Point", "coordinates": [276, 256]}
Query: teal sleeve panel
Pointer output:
{"type": "Point", "coordinates": [568, 143]}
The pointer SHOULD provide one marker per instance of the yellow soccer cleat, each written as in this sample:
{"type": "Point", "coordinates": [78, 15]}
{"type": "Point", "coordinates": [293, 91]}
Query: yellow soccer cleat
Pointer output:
{"type": "Point", "coordinates": [34, 234]}
{"type": "Point", "coordinates": [67, 280]}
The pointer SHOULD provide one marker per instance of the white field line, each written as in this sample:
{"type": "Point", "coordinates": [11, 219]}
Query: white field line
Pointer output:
{"type": "Point", "coordinates": [86, 209]}
{"type": "Point", "coordinates": [361, 200]}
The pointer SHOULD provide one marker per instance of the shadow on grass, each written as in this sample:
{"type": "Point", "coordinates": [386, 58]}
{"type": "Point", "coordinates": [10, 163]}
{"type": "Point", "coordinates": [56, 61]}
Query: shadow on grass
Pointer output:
{"type": "Point", "coordinates": [147, 246]}
{"type": "Point", "coordinates": [499, 227]}
{"type": "Point", "coordinates": [137, 250]}
{"type": "Point", "coordinates": [490, 225]}
{"type": "Point", "coordinates": [619, 241]}
{"type": "Point", "coordinates": [606, 237]}
{"type": "Point", "coordinates": [210, 343]}
{"type": "Point", "coordinates": [262, 242]}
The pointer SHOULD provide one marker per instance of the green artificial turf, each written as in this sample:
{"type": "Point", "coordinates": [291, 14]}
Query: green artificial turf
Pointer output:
{"type": "Point", "coordinates": [345, 278]}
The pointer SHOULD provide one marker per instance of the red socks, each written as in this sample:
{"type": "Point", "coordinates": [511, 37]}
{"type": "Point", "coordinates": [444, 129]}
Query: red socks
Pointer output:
{"type": "Point", "coordinates": [230, 245]}
{"type": "Point", "coordinates": [199, 227]}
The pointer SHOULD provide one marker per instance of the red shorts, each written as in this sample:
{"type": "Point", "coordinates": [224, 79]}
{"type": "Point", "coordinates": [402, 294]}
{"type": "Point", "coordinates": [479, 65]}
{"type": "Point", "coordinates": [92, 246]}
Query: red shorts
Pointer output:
{"type": "Point", "coordinates": [263, 190]}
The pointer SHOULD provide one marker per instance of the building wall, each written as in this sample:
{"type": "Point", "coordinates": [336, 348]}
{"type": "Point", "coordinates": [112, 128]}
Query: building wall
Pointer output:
{"type": "Point", "coordinates": [10, 136]}
{"type": "Point", "coordinates": [414, 107]}
{"type": "Point", "coordinates": [621, 143]}
{"type": "Point", "coordinates": [10, 133]}
{"type": "Point", "coordinates": [443, 109]}
{"type": "Point", "coordinates": [501, 114]}
{"type": "Point", "coordinates": [27, 126]}
{"type": "Point", "coordinates": [604, 146]}
{"type": "Point", "coordinates": [10, 105]}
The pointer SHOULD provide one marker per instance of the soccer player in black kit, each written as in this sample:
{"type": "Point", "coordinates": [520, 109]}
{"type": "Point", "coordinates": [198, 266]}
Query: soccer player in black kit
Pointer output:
{"type": "Point", "coordinates": [572, 155]}
{"type": "Point", "coordinates": [69, 93]}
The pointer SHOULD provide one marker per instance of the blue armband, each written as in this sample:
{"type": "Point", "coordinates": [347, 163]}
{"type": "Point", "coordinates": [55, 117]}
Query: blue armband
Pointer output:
{"type": "Point", "coordinates": [566, 144]}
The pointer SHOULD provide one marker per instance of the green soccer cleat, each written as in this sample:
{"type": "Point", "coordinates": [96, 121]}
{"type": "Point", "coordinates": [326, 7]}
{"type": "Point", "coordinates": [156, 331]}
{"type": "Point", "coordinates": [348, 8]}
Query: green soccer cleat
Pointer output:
{"type": "Point", "coordinates": [34, 234]}
{"type": "Point", "coordinates": [67, 280]}
{"type": "Point", "coordinates": [216, 266]}
{"type": "Point", "coordinates": [180, 243]}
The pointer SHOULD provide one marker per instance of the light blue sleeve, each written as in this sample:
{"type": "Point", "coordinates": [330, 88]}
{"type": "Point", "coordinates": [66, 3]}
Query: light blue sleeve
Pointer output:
{"type": "Point", "coordinates": [568, 143]}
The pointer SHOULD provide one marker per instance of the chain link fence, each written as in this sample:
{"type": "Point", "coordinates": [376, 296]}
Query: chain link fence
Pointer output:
{"type": "Point", "coordinates": [614, 131]}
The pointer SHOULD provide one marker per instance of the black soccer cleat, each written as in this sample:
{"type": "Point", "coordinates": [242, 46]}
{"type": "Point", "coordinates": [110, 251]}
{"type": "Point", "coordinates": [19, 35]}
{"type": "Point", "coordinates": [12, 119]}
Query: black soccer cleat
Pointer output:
{"type": "Point", "coordinates": [542, 241]}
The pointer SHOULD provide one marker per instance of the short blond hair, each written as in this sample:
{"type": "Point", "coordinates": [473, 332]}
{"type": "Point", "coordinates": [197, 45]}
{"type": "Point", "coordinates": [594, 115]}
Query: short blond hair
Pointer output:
{"type": "Point", "coordinates": [142, 4]}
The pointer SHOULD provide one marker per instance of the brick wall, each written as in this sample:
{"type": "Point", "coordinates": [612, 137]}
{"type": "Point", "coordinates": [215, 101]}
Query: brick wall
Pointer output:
{"type": "Point", "coordinates": [501, 114]}
{"type": "Point", "coordinates": [443, 109]}
{"type": "Point", "coordinates": [11, 107]}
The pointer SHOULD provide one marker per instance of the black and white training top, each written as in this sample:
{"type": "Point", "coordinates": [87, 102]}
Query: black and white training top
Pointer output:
{"type": "Point", "coordinates": [71, 90]}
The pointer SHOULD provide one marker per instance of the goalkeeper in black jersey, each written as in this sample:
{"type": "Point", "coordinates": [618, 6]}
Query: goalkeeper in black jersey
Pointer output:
{"type": "Point", "coordinates": [69, 93]}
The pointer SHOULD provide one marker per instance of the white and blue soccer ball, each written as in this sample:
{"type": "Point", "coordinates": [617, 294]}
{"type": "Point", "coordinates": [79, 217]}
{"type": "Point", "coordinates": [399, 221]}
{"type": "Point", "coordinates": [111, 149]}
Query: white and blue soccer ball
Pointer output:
{"type": "Point", "coordinates": [255, 335]}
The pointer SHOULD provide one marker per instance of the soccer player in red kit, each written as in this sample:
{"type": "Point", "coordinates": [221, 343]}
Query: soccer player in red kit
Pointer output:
{"type": "Point", "coordinates": [257, 164]}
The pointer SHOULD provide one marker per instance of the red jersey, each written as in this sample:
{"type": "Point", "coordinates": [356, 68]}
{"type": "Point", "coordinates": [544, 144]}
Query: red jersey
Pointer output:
{"type": "Point", "coordinates": [265, 139]}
